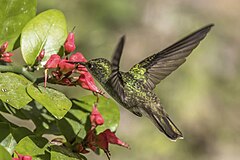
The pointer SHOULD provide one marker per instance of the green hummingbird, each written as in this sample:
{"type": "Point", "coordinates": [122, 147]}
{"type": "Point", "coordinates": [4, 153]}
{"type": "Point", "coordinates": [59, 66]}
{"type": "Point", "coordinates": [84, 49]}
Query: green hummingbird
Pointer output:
{"type": "Point", "coordinates": [134, 89]}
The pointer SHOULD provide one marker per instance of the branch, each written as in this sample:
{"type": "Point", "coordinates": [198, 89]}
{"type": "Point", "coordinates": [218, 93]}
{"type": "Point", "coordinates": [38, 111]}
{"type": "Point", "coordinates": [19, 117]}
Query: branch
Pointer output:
{"type": "Point", "coordinates": [19, 70]}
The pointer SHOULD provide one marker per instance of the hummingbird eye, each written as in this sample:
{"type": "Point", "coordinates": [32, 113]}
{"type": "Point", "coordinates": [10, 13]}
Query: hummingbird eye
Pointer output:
{"type": "Point", "coordinates": [89, 65]}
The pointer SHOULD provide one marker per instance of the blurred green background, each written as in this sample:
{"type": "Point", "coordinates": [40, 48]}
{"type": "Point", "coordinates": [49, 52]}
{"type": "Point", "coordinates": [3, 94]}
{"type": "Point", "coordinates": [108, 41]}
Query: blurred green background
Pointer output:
{"type": "Point", "coordinates": [202, 97]}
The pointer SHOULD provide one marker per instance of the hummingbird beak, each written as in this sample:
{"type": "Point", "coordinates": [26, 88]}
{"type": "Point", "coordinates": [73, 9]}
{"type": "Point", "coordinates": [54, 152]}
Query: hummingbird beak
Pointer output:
{"type": "Point", "coordinates": [79, 63]}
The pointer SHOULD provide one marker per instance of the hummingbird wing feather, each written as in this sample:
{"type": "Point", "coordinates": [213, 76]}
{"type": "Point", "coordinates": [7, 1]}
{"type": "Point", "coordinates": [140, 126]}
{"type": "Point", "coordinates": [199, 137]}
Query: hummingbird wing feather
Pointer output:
{"type": "Point", "coordinates": [116, 83]}
{"type": "Point", "coordinates": [117, 54]}
{"type": "Point", "coordinates": [115, 79]}
{"type": "Point", "coordinates": [155, 68]}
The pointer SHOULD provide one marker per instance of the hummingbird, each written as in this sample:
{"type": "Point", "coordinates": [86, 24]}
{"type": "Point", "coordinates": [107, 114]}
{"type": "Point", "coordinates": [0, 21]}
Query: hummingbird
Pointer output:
{"type": "Point", "coordinates": [134, 89]}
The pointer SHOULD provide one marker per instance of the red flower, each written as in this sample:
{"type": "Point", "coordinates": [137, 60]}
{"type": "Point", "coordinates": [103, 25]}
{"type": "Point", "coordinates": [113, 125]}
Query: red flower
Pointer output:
{"type": "Point", "coordinates": [81, 149]}
{"type": "Point", "coordinates": [96, 117]}
{"type": "Point", "coordinates": [6, 59]}
{"type": "Point", "coordinates": [109, 137]}
{"type": "Point", "coordinates": [90, 140]}
{"type": "Point", "coordinates": [66, 67]}
{"type": "Point", "coordinates": [102, 142]}
{"type": "Point", "coordinates": [7, 54]}
{"type": "Point", "coordinates": [3, 47]}
{"type": "Point", "coordinates": [113, 139]}
{"type": "Point", "coordinates": [57, 74]}
{"type": "Point", "coordinates": [69, 45]}
{"type": "Point", "coordinates": [77, 57]}
{"type": "Point", "coordinates": [87, 82]}
{"type": "Point", "coordinates": [53, 61]}
{"type": "Point", "coordinates": [41, 55]}
{"type": "Point", "coordinates": [27, 158]}
{"type": "Point", "coordinates": [106, 137]}
{"type": "Point", "coordinates": [22, 157]}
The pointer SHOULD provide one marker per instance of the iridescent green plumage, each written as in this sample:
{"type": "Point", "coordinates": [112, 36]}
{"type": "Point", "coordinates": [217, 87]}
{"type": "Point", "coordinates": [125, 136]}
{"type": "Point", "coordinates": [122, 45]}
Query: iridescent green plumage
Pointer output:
{"type": "Point", "coordinates": [133, 89]}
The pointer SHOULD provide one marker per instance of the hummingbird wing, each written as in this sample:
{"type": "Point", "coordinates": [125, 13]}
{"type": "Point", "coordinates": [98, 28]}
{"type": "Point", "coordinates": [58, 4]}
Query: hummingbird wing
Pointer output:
{"type": "Point", "coordinates": [155, 68]}
{"type": "Point", "coordinates": [115, 79]}
{"type": "Point", "coordinates": [117, 55]}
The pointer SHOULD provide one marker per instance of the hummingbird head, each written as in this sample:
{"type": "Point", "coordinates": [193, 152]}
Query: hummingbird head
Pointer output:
{"type": "Point", "coordinates": [100, 68]}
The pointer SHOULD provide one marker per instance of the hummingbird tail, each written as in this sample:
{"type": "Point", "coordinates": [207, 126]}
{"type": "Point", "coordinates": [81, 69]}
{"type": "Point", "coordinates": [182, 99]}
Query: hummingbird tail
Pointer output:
{"type": "Point", "coordinates": [165, 125]}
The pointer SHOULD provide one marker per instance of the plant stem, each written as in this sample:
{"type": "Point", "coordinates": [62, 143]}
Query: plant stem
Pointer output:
{"type": "Point", "coordinates": [19, 70]}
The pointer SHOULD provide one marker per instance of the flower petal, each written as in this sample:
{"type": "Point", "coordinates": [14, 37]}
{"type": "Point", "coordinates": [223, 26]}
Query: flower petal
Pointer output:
{"type": "Point", "coordinates": [53, 61]}
{"type": "Point", "coordinates": [96, 117]}
{"type": "Point", "coordinates": [66, 67]}
{"type": "Point", "coordinates": [87, 82]}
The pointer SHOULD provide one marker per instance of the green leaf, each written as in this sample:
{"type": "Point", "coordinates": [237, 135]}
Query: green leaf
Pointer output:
{"type": "Point", "coordinates": [63, 153]}
{"type": "Point", "coordinates": [9, 143]}
{"type": "Point", "coordinates": [4, 155]}
{"type": "Point", "coordinates": [54, 101]}
{"type": "Point", "coordinates": [60, 156]}
{"type": "Point", "coordinates": [6, 138]}
{"type": "Point", "coordinates": [9, 136]}
{"type": "Point", "coordinates": [48, 31]}
{"type": "Point", "coordinates": [14, 15]}
{"type": "Point", "coordinates": [33, 146]}
{"type": "Point", "coordinates": [13, 90]}
{"type": "Point", "coordinates": [77, 121]}
{"type": "Point", "coordinates": [20, 132]}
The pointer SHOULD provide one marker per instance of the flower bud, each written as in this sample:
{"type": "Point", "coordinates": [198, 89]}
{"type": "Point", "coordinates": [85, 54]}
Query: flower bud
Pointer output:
{"type": "Point", "coordinates": [6, 59]}
{"type": "Point", "coordinates": [7, 54]}
{"type": "Point", "coordinates": [96, 117]}
{"type": "Point", "coordinates": [69, 45]}
{"type": "Point", "coordinates": [3, 47]}
{"type": "Point", "coordinates": [41, 55]}
{"type": "Point", "coordinates": [20, 156]}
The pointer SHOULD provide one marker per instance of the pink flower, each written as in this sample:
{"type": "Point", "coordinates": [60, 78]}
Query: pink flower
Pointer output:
{"type": "Point", "coordinates": [6, 59]}
{"type": "Point", "coordinates": [7, 54]}
{"type": "Point", "coordinates": [69, 45]}
{"type": "Point", "coordinates": [87, 82]}
{"type": "Point", "coordinates": [22, 157]}
{"type": "Point", "coordinates": [96, 117]}
{"type": "Point", "coordinates": [27, 158]}
{"type": "Point", "coordinates": [3, 47]}
{"type": "Point", "coordinates": [66, 67]}
{"type": "Point", "coordinates": [77, 57]}
{"type": "Point", "coordinates": [53, 61]}
{"type": "Point", "coordinates": [41, 55]}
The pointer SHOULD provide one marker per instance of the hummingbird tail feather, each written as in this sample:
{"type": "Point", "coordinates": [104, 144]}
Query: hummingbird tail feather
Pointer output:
{"type": "Point", "coordinates": [165, 125]}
